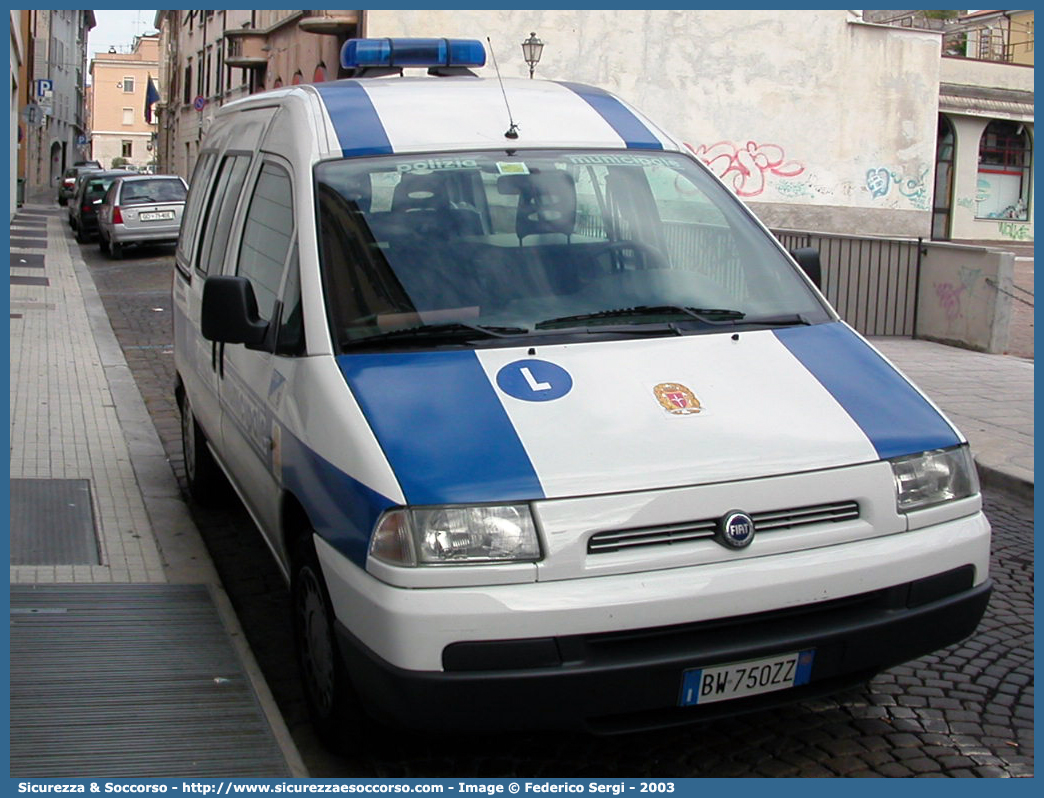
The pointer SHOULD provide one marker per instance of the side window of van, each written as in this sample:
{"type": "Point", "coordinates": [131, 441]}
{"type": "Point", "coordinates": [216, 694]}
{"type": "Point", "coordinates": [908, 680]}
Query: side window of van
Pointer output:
{"type": "Point", "coordinates": [190, 218]}
{"type": "Point", "coordinates": [267, 234]}
{"type": "Point", "coordinates": [217, 224]}
{"type": "Point", "coordinates": [290, 338]}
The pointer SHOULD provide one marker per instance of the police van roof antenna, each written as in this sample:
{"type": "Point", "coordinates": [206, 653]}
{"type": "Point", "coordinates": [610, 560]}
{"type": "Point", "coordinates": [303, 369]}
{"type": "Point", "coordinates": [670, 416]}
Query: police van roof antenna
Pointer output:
{"type": "Point", "coordinates": [512, 131]}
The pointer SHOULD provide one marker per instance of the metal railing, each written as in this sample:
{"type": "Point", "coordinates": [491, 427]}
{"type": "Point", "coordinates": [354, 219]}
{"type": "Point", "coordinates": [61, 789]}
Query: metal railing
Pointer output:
{"type": "Point", "coordinates": [872, 283]}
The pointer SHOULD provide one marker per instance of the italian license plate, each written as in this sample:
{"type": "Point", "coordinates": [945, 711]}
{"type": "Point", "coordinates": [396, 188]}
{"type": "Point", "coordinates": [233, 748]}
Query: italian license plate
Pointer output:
{"type": "Point", "coordinates": [739, 679]}
{"type": "Point", "coordinates": [156, 216]}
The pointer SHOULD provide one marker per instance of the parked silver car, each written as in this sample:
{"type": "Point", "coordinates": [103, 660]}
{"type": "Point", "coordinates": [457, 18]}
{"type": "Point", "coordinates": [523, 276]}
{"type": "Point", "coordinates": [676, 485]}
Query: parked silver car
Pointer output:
{"type": "Point", "coordinates": [140, 209]}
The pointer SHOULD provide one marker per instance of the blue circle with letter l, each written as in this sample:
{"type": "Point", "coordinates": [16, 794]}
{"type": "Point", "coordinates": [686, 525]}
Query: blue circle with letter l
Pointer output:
{"type": "Point", "coordinates": [534, 380]}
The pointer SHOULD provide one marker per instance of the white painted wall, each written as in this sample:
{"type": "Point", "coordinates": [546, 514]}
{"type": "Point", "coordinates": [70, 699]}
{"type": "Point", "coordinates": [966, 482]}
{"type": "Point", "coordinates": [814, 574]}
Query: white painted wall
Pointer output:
{"type": "Point", "coordinates": [816, 119]}
{"type": "Point", "coordinates": [966, 296]}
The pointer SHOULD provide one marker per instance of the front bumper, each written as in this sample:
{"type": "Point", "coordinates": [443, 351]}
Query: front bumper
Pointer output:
{"type": "Point", "coordinates": [608, 683]}
{"type": "Point", "coordinates": [607, 653]}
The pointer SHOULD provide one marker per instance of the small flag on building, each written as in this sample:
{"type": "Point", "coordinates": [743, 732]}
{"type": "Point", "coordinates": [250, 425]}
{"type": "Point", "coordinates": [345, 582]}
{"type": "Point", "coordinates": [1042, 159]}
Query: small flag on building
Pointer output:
{"type": "Point", "coordinates": [151, 98]}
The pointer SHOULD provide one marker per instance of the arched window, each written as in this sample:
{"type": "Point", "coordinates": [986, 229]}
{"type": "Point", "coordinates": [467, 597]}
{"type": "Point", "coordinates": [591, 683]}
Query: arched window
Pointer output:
{"type": "Point", "coordinates": [296, 78]}
{"type": "Point", "coordinates": [1004, 171]}
{"type": "Point", "coordinates": [320, 73]}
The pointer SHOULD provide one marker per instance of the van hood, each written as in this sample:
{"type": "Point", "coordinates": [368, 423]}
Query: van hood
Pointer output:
{"type": "Point", "coordinates": [520, 424]}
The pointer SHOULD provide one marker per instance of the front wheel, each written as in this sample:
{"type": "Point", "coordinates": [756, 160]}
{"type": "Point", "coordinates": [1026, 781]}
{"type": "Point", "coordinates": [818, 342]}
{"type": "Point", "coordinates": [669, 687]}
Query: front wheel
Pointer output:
{"type": "Point", "coordinates": [206, 481]}
{"type": "Point", "coordinates": [337, 716]}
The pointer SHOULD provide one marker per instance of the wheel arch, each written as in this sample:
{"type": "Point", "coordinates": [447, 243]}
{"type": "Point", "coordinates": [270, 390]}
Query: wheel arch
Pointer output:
{"type": "Point", "coordinates": [295, 525]}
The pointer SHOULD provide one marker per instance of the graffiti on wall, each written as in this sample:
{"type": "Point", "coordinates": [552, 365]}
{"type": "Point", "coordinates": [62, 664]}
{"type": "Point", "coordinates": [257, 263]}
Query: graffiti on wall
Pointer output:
{"type": "Point", "coordinates": [1015, 231]}
{"type": "Point", "coordinates": [747, 168]}
{"type": "Point", "coordinates": [949, 294]}
{"type": "Point", "coordinates": [880, 182]}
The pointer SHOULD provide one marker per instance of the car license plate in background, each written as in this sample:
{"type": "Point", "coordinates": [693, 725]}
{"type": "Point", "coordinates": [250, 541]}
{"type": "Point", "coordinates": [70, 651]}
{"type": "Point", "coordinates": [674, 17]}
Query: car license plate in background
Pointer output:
{"type": "Point", "coordinates": [739, 679]}
{"type": "Point", "coordinates": [156, 216]}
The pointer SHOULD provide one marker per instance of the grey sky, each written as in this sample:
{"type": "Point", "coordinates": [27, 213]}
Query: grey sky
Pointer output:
{"type": "Point", "coordinates": [118, 29]}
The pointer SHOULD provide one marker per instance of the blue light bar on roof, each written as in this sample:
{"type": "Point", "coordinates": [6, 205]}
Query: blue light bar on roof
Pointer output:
{"type": "Point", "coordinates": [364, 53]}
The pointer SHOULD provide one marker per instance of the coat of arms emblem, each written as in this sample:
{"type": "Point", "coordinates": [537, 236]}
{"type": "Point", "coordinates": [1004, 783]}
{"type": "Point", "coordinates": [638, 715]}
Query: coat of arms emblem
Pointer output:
{"type": "Point", "coordinates": [676, 399]}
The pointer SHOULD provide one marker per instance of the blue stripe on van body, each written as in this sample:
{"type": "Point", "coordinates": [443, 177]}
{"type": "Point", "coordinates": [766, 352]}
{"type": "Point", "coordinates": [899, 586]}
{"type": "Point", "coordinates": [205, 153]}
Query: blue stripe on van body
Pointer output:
{"type": "Point", "coordinates": [890, 412]}
{"type": "Point", "coordinates": [442, 427]}
{"type": "Point", "coordinates": [342, 509]}
{"type": "Point", "coordinates": [627, 126]}
{"type": "Point", "coordinates": [359, 128]}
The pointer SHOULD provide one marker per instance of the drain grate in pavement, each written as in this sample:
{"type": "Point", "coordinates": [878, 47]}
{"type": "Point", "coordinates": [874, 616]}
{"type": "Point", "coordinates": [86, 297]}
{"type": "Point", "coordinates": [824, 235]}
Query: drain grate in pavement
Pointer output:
{"type": "Point", "coordinates": [121, 681]}
{"type": "Point", "coordinates": [52, 522]}
{"type": "Point", "coordinates": [25, 260]}
{"type": "Point", "coordinates": [17, 279]}
{"type": "Point", "coordinates": [21, 242]}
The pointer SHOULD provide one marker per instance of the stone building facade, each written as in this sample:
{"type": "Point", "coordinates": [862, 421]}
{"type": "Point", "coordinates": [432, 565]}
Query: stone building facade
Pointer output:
{"type": "Point", "coordinates": [820, 120]}
{"type": "Point", "coordinates": [120, 132]}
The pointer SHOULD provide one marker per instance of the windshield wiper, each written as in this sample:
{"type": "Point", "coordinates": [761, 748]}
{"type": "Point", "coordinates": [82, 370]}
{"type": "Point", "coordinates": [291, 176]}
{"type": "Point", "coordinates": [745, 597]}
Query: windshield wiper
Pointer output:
{"type": "Point", "coordinates": [704, 315]}
{"type": "Point", "coordinates": [454, 330]}
{"type": "Point", "coordinates": [784, 320]}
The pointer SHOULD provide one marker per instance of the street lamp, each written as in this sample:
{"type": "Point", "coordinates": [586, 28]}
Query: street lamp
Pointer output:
{"type": "Point", "coordinates": [531, 51]}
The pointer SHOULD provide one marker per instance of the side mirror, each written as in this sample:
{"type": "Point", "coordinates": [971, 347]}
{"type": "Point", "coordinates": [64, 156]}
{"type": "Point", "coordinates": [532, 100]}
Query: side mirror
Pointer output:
{"type": "Point", "coordinates": [229, 312]}
{"type": "Point", "coordinates": [808, 259]}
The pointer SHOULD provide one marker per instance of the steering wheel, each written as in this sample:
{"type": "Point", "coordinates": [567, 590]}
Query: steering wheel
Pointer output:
{"type": "Point", "coordinates": [643, 255]}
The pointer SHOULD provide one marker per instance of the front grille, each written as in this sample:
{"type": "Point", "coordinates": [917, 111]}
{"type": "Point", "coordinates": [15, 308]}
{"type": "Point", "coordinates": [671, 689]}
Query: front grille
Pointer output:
{"type": "Point", "coordinates": [767, 521]}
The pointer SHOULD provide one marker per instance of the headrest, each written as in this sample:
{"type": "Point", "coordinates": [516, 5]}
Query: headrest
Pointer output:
{"type": "Point", "coordinates": [546, 204]}
{"type": "Point", "coordinates": [416, 192]}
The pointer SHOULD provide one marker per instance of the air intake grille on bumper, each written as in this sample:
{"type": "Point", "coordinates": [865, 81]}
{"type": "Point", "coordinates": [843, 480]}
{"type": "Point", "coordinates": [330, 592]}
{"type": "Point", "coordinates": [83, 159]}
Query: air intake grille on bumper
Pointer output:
{"type": "Point", "coordinates": [769, 520]}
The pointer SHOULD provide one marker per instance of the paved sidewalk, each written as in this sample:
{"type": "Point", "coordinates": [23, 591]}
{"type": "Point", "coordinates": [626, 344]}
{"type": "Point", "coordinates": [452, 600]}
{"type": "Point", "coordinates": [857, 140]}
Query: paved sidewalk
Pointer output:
{"type": "Point", "coordinates": [988, 397]}
{"type": "Point", "coordinates": [86, 463]}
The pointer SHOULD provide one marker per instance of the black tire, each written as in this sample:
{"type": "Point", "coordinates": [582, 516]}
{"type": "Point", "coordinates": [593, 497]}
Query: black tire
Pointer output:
{"type": "Point", "coordinates": [103, 243]}
{"type": "Point", "coordinates": [207, 483]}
{"type": "Point", "coordinates": [338, 717]}
{"type": "Point", "coordinates": [62, 201]}
{"type": "Point", "coordinates": [116, 250]}
{"type": "Point", "coordinates": [81, 235]}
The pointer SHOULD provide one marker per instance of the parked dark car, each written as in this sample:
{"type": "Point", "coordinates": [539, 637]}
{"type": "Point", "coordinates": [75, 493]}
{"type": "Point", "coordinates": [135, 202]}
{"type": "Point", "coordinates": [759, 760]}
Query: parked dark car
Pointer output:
{"type": "Point", "coordinates": [89, 192]}
{"type": "Point", "coordinates": [67, 182]}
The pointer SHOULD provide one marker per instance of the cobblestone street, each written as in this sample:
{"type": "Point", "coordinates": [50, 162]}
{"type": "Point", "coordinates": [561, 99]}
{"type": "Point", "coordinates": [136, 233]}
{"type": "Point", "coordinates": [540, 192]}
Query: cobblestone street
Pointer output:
{"type": "Point", "coordinates": [964, 711]}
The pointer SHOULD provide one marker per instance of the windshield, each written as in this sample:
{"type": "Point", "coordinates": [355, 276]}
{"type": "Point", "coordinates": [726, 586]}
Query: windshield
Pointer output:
{"type": "Point", "coordinates": [140, 192]}
{"type": "Point", "coordinates": [96, 187]}
{"type": "Point", "coordinates": [544, 240]}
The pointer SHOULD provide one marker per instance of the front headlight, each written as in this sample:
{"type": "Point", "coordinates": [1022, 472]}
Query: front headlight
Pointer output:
{"type": "Point", "coordinates": [934, 477]}
{"type": "Point", "coordinates": [456, 535]}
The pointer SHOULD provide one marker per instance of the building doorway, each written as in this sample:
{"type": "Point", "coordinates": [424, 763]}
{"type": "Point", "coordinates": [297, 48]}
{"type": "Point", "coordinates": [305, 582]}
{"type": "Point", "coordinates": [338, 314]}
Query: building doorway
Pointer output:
{"type": "Point", "coordinates": [57, 166]}
{"type": "Point", "coordinates": [942, 199]}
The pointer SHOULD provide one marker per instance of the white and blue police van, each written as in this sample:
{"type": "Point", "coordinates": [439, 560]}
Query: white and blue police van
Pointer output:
{"type": "Point", "coordinates": [543, 427]}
